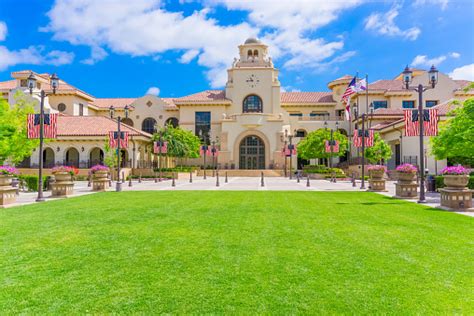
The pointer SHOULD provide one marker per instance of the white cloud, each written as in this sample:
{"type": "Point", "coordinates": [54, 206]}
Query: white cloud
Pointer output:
{"type": "Point", "coordinates": [423, 60]}
{"type": "Point", "coordinates": [97, 54]}
{"type": "Point", "coordinates": [3, 30]}
{"type": "Point", "coordinates": [146, 28]}
{"type": "Point", "coordinates": [465, 72]}
{"type": "Point", "coordinates": [454, 55]}
{"type": "Point", "coordinates": [188, 56]}
{"type": "Point", "coordinates": [442, 3]}
{"type": "Point", "coordinates": [384, 24]}
{"type": "Point", "coordinates": [153, 91]}
{"type": "Point", "coordinates": [33, 55]}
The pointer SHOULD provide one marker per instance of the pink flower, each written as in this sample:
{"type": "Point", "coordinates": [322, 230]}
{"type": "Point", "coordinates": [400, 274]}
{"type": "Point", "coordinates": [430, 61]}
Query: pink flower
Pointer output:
{"type": "Point", "coordinates": [455, 170]}
{"type": "Point", "coordinates": [99, 168]}
{"type": "Point", "coordinates": [377, 168]}
{"type": "Point", "coordinates": [8, 170]}
{"type": "Point", "coordinates": [407, 168]}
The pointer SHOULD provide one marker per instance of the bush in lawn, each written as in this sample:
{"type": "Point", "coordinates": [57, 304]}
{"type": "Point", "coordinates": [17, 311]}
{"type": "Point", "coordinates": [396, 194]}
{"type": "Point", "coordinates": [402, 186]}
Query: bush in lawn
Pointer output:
{"type": "Point", "coordinates": [31, 182]}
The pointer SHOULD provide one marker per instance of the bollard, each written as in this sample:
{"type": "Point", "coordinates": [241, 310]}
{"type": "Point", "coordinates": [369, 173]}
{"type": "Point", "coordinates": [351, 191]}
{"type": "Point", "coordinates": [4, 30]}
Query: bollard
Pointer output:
{"type": "Point", "coordinates": [226, 180]}
{"type": "Point", "coordinates": [140, 178]}
{"type": "Point", "coordinates": [205, 174]}
{"type": "Point", "coordinates": [173, 183]}
{"type": "Point", "coordinates": [262, 182]}
{"type": "Point", "coordinates": [123, 177]}
{"type": "Point", "coordinates": [129, 180]}
{"type": "Point", "coordinates": [213, 172]}
{"type": "Point", "coordinates": [110, 180]}
{"type": "Point", "coordinates": [156, 179]}
{"type": "Point", "coordinates": [89, 181]}
{"type": "Point", "coordinates": [353, 180]}
{"type": "Point", "coordinates": [217, 178]}
{"type": "Point", "coordinates": [298, 177]}
{"type": "Point", "coordinates": [190, 177]}
{"type": "Point", "coordinates": [307, 180]}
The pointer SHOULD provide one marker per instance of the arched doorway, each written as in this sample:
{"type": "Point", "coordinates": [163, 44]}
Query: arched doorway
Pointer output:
{"type": "Point", "coordinates": [48, 158]}
{"type": "Point", "coordinates": [252, 153]}
{"type": "Point", "coordinates": [96, 157]}
{"type": "Point", "coordinates": [72, 157]}
{"type": "Point", "coordinates": [124, 159]}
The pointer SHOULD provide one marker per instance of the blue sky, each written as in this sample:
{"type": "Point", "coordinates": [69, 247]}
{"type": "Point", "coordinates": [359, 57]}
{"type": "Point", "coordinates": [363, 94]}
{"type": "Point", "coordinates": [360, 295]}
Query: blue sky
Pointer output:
{"type": "Point", "coordinates": [114, 48]}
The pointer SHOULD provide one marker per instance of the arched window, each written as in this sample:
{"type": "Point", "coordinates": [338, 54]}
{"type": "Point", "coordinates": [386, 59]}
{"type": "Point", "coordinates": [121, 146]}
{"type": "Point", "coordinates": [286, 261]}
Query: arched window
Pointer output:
{"type": "Point", "coordinates": [300, 133]}
{"type": "Point", "coordinates": [173, 121]}
{"type": "Point", "coordinates": [249, 54]}
{"type": "Point", "coordinates": [255, 53]}
{"type": "Point", "coordinates": [252, 104]}
{"type": "Point", "coordinates": [148, 125]}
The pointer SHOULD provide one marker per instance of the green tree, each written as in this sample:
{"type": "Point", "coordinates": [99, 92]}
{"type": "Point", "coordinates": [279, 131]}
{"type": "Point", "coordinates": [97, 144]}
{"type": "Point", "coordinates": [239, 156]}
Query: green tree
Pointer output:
{"type": "Point", "coordinates": [14, 142]}
{"type": "Point", "coordinates": [313, 146]}
{"type": "Point", "coordinates": [380, 151]}
{"type": "Point", "coordinates": [455, 138]}
{"type": "Point", "coordinates": [110, 155]}
{"type": "Point", "coordinates": [181, 143]}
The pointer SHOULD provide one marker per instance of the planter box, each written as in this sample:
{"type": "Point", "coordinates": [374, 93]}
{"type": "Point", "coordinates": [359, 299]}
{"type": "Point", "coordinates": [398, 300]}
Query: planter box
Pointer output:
{"type": "Point", "coordinates": [100, 181]}
{"type": "Point", "coordinates": [7, 192]}
{"type": "Point", "coordinates": [458, 182]}
{"type": "Point", "coordinates": [377, 185]}
{"type": "Point", "coordinates": [63, 184]}
{"type": "Point", "coordinates": [377, 175]}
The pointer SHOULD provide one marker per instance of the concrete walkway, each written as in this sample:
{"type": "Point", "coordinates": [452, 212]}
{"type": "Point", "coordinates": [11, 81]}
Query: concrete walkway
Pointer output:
{"type": "Point", "coordinates": [234, 183]}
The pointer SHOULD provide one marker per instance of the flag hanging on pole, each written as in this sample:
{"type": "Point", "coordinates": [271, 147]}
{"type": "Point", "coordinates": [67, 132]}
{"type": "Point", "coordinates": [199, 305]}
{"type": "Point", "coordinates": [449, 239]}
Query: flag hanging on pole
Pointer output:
{"type": "Point", "coordinates": [163, 145]}
{"type": "Point", "coordinates": [203, 150]}
{"type": "Point", "coordinates": [357, 138]}
{"type": "Point", "coordinates": [430, 122]}
{"type": "Point", "coordinates": [50, 126]}
{"type": "Point", "coordinates": [346, 97]}
{"type": "Point", "coordinates": [369, 138]}
{"type": "Point", "coordinates": [334, 144]}
{"type": "Point", "coordinates": [112, 140]}
{"type": "Point", "coordinates": [412, 127]}
{"type": "Point", "coordinates": [213, 151]}
{"type": "Point", "coordinates": [123, 139]}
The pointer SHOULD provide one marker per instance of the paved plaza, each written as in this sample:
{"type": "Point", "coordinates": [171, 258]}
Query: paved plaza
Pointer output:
{"type": "Point", "coordinates": [233, 184]}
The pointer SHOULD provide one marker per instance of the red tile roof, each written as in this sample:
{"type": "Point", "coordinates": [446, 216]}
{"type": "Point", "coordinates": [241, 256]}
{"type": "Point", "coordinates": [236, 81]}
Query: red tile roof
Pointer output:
{"type": "Point", "coordinates": [388, 111]}
{"type": "Point", "coordinates": [385, 124]}
{"type": "Point", "coordinates": [307, 97]}
{"type": "Point", "coordinates": [8, 85]}
{"type": "Point", "coordinates": [462, 83]}
{"type": "Point", "coordinates": [204, 96]}
{"type": "Point", "coordinates": [447, 106]}
{"type": "Point", "coordinates": [170, 105]}
{"type": "Point", "coordinates": [116, 102]}
{"type": "Point", "coordinates": [394, 85]}
{"type": "Point", "coordinates": [92, 126]}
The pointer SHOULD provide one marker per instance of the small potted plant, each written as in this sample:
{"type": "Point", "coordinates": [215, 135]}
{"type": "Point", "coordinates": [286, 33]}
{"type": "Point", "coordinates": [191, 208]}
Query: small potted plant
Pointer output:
{"type": "Point", "coordinates": [456, 177]}
{"type": "Point", "coordinates": [376, 172]}
{"type": "Point", "coordinates": [6, 175]}
{"type": "Point", "coordinates": [64, 173]}
{"type": "Point", "coordinates": [406, 172]}
{"type": "Point", "coordinates": [99, 173]}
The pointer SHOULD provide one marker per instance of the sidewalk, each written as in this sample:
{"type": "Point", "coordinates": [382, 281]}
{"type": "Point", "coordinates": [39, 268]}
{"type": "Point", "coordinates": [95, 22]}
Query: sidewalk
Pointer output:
{"type": "Point", "coordinates": [233, 184]}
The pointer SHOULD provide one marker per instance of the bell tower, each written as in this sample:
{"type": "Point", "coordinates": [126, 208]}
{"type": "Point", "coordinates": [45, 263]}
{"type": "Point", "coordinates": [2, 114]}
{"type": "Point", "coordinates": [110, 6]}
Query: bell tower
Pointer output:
{"type": "Point", "coordinates": [253, 74]}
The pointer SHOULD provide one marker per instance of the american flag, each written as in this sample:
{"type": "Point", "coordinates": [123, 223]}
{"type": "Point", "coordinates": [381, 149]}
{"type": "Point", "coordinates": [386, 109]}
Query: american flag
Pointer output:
{"type": "Point", "coordinates": [213, 151]}
{"type": "Point", "coordinates": [346, 97]}
{"type": "Point", "coordinates": [430, 122]}
{"type": "Point", "coordinates": [50, 126]}
{"type": "Point", "coordinates": [113, 139]}
{"type": "Point", "coordinates": [290, 150]}
{"type": "Point", "coordinates": [357, 138]}
{"type": "Point", "coordinates": [368, 139]}
{"type": "Point", "coordinates": [412, 127]}
{"type": "Point", "coordinates": [164, 147]}
{"type": "Point", "coordinates": [335, 146]}
{"type": "Point", "coordinates": [204, 150]}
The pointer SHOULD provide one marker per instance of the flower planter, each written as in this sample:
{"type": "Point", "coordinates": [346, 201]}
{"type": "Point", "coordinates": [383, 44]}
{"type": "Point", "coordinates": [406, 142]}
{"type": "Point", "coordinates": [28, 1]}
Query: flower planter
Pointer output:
{"type": "Point", "coordinates": [63, 184]}
{"type": "Point", "coordinates": [456, 181]}
{"type": "Point", "coordinates": [406, 176]}
{"type": "Point", "coordinates": [376, 174]}
{"type": "Point", "coordinates": [7, 192]}
{"type": "Point", "coordinates": [100, 180]}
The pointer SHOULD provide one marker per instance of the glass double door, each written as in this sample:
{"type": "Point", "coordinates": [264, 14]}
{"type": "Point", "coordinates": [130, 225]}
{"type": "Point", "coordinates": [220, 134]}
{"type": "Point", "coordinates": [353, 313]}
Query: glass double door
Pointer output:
{"type": "Point", "coordinates": [252, 153]}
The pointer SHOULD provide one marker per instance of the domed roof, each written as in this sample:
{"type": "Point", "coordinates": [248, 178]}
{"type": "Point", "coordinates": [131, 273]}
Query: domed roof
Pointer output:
{"type": "Point", "coordinates": [252, 40]}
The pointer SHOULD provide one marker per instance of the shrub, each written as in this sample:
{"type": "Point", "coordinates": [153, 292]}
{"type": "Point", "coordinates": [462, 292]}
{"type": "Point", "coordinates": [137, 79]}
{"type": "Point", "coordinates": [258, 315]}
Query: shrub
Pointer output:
{"type": "Point", "coordinates": [31, 182]}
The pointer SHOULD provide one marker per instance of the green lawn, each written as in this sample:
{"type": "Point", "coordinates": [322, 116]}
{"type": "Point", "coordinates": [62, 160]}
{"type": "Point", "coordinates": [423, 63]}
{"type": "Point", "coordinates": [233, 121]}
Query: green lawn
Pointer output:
{"type": "Point", "coordinates": [235, 252]}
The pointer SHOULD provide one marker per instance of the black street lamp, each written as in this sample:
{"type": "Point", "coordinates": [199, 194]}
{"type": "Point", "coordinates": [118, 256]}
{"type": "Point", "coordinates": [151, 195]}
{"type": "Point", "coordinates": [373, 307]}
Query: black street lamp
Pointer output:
{"type": "Point", "coordinates": [290, 149]}
{"type": "Point", "coordinates": [204, 137]}
{"type": "Point", "coordinates": [160, 146]}
{"type": "Point", "coordinates": [54, 82]}
{"type": "Point", "coordinates": [364, 117]}
{"type": "Point", "coordinates": [331, 144]}
{"type": "Point", "coordinates": [433, 80]}
{"type": "Point", "coordinates": [214, 153]}
{"type": "Point", "coordinates": [118, 186]}
{"type": "Point", "coordinates": [283, 139]}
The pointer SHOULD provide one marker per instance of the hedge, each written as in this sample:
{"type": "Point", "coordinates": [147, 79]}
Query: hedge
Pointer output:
{"type": "Point", "coordinates": [31, 182]}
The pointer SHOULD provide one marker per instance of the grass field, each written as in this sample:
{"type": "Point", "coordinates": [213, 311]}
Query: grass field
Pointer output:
{"type": "Point", "coordinates": [235, 252]}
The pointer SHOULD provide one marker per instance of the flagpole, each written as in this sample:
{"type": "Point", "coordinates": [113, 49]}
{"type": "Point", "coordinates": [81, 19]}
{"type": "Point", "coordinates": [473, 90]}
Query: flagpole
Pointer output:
{"type": "Point", "coordinates": [40, 197]}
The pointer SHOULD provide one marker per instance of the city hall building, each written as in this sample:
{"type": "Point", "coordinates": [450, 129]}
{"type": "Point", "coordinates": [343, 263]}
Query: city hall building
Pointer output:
{"type": "Point", "coordinates": [249, 120]}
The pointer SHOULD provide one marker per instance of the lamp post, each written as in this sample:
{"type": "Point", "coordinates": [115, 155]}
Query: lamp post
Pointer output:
{"type": "Point", "coordinates": [214, 153]}
{"type": "Point", "coordinates": [420, 88]}
{"type": "Point", "coordinates": [364, 117]}
{"type": "Point", "coordinates": [283, 140]}
{"type": "Point", "coordinates": [160, 146]}
{"type": "Point", "coordinates": [54, 82]}
{"type": "Point", "coordinates": [204, 138]}
{"type": "Point", "coordinates": [290, 147]}
{"type": "Point", "coordinates": [118, 186]}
